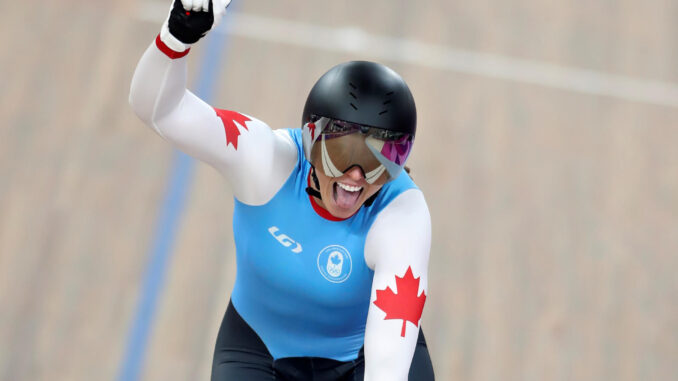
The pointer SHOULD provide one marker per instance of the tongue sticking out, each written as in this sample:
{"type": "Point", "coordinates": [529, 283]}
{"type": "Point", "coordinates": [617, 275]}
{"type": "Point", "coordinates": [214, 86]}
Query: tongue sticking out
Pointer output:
{"type": "Point", "coordinates": [345, 199]}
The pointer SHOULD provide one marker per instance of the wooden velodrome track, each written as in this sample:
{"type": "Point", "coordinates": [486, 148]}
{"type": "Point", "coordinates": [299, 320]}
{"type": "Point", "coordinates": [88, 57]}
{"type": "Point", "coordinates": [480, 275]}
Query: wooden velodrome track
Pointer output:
{"type": "Point", "coordinates": [547, 151]}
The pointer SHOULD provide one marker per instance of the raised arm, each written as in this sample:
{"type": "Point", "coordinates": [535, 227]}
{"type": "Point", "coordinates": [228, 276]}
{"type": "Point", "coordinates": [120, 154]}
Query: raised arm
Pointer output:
{"type": "Point", "coordinates": [255, 160]}
{"type": "Point", "coordinates": [397, 248]}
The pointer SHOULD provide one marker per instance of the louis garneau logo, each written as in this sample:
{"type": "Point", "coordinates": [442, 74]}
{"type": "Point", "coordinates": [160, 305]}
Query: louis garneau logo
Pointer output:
{"type": "Point", "coordinates": [285, 240]}
{"type": "Point", "coordinates": [334, 261]}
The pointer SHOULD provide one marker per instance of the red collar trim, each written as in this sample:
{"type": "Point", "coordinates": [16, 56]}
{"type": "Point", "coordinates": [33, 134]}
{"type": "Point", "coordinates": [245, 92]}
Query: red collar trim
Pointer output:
{"type": "Point", "coordinates": [322, 212]}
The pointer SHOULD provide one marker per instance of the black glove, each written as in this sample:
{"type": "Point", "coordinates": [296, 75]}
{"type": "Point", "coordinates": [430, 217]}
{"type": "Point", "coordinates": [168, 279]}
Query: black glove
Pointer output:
{"type": "Point", "coordinates": [189, 26]}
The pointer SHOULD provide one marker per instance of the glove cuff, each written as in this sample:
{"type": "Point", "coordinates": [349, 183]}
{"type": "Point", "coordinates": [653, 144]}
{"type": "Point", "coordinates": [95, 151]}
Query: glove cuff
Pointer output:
{"type": "Point", "coordinates": [172, 42]}
{"type": "Point", "coordinates": [168, 51]}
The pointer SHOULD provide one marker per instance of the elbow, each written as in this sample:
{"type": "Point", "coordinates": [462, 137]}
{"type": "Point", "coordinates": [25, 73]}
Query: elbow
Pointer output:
{"type": "Point", "coordinates": [142, 108]}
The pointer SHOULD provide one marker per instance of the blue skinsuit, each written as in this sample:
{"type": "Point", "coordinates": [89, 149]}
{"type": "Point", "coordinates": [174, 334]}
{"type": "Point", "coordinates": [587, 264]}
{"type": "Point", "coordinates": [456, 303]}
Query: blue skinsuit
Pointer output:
{"type": "Point", "coordinates": [302, 282]}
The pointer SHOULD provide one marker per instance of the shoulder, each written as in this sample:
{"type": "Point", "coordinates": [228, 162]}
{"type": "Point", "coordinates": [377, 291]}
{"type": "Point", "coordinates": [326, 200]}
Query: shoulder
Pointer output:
{"type": "Point", "coordinates": [285, 137]}
{"type": "Point", "coordinates": [259, 160]}
{"type": "Point", "coordinates": [391, 191]}
{"type": "Point", "coordinates": [293, 136]}
{"type": "Point", "coordinates": [403, 209]}
{"type": "Point", "coordinates": [401, 229]}
{"type": "Point", "coordinates": [293, 142]}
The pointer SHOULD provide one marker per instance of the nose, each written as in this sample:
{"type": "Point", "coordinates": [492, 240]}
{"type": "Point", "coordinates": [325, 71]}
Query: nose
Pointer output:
{"type": "Point", "coordinates": [355, 173]}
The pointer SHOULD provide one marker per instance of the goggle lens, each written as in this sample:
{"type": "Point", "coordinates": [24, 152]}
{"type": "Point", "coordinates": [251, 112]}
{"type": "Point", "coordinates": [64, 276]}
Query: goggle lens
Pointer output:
{"type": "Point", "coordinates": [381, 154]}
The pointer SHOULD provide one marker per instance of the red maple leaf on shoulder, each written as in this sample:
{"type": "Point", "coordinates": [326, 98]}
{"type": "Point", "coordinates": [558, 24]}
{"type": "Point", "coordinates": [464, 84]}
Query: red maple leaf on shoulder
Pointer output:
{"type": "Point", "coordinates": [405, 304]}
{"type": "Point", "coordinates": [229, 119]}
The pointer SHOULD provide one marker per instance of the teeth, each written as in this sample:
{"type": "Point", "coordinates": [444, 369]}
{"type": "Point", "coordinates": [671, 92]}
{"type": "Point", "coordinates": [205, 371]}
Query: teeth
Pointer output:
{"type": "Point", "coordinates": [349, 188]}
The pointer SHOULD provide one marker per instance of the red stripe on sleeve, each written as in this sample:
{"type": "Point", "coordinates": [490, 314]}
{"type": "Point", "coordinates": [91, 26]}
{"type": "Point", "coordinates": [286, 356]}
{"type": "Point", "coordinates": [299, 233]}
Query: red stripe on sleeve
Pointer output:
{"type": "Point", "coordinates": [169, 52]}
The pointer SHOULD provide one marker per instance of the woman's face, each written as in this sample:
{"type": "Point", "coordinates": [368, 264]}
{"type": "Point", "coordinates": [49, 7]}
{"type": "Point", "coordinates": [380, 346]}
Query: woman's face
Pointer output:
{"type": "Point", "coordinates": [343, 196]}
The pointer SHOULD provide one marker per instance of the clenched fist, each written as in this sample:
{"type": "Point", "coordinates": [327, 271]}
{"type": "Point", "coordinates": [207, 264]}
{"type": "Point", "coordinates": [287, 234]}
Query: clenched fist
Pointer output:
{"type": "Point", "coordinates": [190, 20]}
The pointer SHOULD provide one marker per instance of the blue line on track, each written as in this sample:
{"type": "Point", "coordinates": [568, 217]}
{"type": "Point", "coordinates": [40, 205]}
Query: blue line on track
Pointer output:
{"type": "Point", "coordinates": [168, 222]}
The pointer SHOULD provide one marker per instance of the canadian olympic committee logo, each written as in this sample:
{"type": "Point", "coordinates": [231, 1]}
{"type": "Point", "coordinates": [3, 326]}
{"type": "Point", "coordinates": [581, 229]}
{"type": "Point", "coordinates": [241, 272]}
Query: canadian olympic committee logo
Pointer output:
{"type": "Point", "coordinates": [334, 263]}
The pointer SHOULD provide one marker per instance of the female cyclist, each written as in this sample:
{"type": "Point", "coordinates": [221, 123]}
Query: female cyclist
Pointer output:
{"type": "Point", "coordinates": [332, 236]}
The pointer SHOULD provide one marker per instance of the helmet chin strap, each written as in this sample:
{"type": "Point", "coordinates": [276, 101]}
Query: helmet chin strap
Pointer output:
{"type": "Point", "coordinates": [315, 192]}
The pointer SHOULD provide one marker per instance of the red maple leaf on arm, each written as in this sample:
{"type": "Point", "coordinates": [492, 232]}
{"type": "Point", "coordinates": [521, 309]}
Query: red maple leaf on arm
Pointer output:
{"type": "Point", "coordinates": [405, 304]}
{"type": "Point", "coordinates": [229, 119]}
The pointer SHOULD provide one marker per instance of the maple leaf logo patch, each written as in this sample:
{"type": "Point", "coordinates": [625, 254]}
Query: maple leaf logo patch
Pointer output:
{"type": "Point", "coordinates": [405, 304]}
{"type": "Point", "coordinates": [229, 119]}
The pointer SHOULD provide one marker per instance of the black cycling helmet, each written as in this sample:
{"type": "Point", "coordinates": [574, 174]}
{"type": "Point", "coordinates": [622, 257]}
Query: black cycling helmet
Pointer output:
{"type": "Point", "coordinates": [365, 93]}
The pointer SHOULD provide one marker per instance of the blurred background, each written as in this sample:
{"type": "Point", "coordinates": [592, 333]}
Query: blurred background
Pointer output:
{"type": "Point", "coordinates": [547, 149]}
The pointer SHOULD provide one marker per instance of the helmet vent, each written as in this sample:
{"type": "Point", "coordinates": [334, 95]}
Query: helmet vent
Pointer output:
{"type": "Point", "coordinates": [384, 111]}
{"type": "Point", "coordinates": [354, 87]}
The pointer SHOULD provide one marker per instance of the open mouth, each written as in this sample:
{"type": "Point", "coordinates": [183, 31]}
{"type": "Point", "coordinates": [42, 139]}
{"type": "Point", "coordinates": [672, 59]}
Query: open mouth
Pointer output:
{"type": "Point", "coordinates": [346, 196]}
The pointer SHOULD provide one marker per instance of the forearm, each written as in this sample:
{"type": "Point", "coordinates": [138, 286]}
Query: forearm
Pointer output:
{"type": "Point", "coordinates": [158, 85]}
{"type": "Point", "coordinates": [393, 322]}
{"type": "Point", "coordinates": [388, 355]}
{"type": "Point", "coordinates": [159, 82]}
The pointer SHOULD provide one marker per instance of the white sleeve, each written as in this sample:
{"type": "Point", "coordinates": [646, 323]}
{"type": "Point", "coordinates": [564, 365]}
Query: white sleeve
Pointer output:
{"type": "Point", "coordinates": [255, 160]}
{"type": "Point", "coordinates": [397, 249]}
